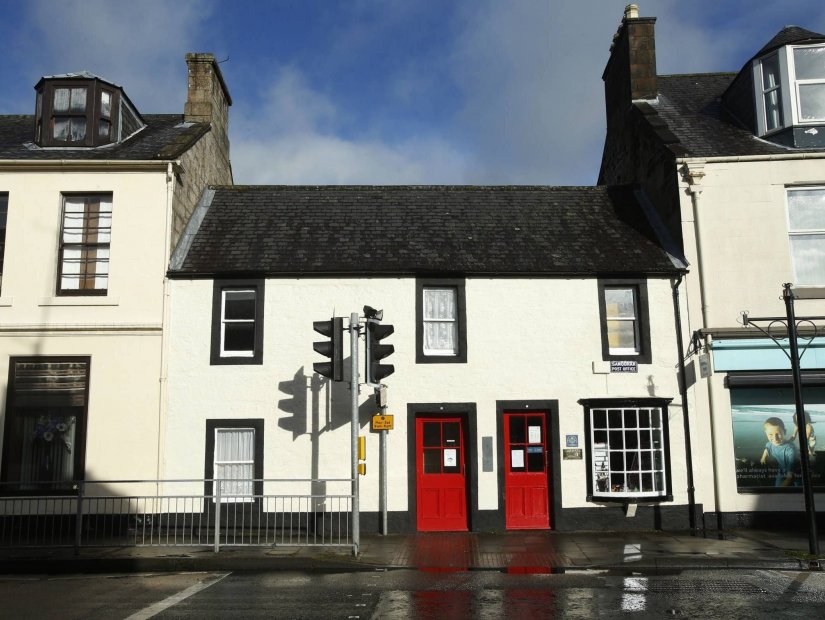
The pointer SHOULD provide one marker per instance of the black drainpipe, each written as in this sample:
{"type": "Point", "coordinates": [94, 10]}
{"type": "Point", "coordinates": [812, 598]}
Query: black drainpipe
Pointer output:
{"type": "Point", "coordinates": [683, 393]}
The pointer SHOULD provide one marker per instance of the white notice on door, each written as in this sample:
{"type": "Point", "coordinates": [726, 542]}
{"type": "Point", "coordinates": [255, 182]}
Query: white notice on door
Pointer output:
{"type": "Point", "coordinates": [450, 457]}
{"type": "Point", "coordinates": [517, 458]}
{"type": "Point", "coordinates": [534, 434]}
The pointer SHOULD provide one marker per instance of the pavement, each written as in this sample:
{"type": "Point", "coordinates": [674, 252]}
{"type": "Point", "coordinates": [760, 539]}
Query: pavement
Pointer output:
{"type": "Point", "coordinates": [513, 551]}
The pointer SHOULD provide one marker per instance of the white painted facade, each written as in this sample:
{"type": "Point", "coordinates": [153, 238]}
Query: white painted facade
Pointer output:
{"type": "Point", "coordinates": [527, 339]}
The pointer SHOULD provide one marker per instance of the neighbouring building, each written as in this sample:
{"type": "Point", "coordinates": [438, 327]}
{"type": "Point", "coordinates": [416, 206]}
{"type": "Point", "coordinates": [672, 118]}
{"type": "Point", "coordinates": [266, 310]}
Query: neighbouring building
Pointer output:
{"type": "Point", "coordinates": [735, 166]}
{"type": "Point", "coordinates": [93, 196]}
{"type": "Point", "coordinates": [536, 355]}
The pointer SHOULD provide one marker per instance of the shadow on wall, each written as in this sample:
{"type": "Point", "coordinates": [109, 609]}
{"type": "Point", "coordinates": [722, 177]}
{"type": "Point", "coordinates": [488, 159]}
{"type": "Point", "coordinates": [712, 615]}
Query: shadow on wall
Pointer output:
{"type": "Point", "coordinates": [315, 405]}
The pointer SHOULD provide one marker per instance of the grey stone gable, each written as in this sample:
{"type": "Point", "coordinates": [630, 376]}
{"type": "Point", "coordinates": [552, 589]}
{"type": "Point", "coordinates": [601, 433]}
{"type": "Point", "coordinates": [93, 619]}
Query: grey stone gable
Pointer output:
{"type": "Point", "coordinates": [409, 230]}
{"type": "Point", "coordinates": [165, 136]}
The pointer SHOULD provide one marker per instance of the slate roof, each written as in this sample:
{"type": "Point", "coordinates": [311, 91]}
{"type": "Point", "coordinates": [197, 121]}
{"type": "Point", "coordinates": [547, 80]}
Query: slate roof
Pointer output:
{"type": "Point", "coordinates": [791, 35]}
{"type": "Point", "coordinates": [408, 230]}
{"type": "Point", "coordinates": [690, 106]}
{"type": "Point", "coordinates": [165, 136]}
{"type": "Point", "coordinates": [690, 118]}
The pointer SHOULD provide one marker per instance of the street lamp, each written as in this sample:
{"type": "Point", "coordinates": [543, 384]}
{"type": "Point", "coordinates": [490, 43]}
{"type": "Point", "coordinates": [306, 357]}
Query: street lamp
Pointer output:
{"type": "Point", "coordinates": [791, 323]}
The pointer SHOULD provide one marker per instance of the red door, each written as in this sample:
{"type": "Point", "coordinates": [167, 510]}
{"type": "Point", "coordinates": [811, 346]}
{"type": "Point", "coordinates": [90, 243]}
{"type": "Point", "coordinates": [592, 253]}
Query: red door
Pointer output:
{"type": "Point", "coordinates": [527, 501]}
{"type": "Point", "coordinates": [441, 485]}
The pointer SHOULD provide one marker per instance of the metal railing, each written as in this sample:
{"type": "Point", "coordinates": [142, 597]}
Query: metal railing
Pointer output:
{"type": "Point", "coordinates": [210, 513]}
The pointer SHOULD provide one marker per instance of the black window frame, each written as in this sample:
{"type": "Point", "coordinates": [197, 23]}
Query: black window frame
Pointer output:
{"type": "Point", "coordinates": [4, 214]}
{"type": "Point", "coordinates": [13, 487]}
{"type": "Point", "coordinates": [62, 245]}
{"type": "Point", "coordinates": [209, 453]}
{"type": "Point", "coordinates": [218, 287]}
{"type": "Point", "coordinates": [461, 302]}
{"type": "Point", "coordinates": [644, 356]}
{"type": "Point", "coordinates": [618, 403]}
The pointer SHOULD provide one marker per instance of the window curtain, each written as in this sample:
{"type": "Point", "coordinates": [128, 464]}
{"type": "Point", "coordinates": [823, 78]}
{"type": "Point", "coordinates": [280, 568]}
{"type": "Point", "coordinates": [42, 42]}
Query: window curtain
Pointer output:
{"type": "Point", "coordinates": [440, 326]}
{"type": "Point", "coordinates": [234, 462]}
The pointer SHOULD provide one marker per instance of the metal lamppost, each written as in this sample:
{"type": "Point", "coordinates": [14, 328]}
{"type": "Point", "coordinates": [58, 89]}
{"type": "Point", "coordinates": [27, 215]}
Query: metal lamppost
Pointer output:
{"type": "Point", "coordinates": [791, 322]}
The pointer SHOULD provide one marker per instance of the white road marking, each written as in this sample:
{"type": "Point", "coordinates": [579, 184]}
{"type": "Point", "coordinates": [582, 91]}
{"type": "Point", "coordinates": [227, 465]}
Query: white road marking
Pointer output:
{"type": "Point", "coordinates": [153, 610]}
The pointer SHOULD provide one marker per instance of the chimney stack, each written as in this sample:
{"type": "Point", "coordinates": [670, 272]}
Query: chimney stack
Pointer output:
{"type": "Point", "coordinates": [631, 69]}
{"type": "Point", "coordinates": [208, 98]}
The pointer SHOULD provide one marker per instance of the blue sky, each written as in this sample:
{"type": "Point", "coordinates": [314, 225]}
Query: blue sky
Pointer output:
{"type": "Point", "coordinates": [385, 91]}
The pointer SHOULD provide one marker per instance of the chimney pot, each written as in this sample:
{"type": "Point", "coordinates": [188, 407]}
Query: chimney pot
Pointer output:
{"type": "Point", "coordinates": [631, 11]}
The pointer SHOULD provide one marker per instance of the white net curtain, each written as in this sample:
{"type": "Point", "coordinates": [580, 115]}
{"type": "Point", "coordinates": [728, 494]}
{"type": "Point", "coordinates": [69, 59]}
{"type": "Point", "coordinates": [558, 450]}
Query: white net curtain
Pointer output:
{"type": "Point", "coordinates": [440, 324]}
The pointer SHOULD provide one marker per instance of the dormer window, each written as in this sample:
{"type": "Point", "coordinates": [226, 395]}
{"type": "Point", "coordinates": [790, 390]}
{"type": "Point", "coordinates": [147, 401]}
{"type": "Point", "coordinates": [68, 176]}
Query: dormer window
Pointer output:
{"type": "Point", "coordinates": [809, 70]}
{"type": "Point", "coordinates": [790, 93]}
{"type": "Point", "coordinates": [771, 93]}
{"type": "Point", "coordinates": [82, 110]}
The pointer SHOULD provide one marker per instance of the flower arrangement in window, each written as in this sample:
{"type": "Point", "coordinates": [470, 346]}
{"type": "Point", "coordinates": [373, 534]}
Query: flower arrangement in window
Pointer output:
{"type": "Point", "coordinates": [55, 428]}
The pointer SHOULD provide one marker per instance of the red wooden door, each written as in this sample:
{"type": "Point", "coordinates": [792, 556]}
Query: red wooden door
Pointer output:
{"type": "Point", "coordinates": [527, 500]}
{"type": "Point", "coordinates": [441, 484]}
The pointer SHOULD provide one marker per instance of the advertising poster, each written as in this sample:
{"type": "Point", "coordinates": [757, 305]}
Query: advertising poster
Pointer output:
{"type": "Point", "coordinates": [766, 442]}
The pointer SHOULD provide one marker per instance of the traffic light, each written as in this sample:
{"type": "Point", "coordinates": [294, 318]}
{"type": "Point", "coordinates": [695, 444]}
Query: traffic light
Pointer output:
{"type": "Point", "coordinates": [332, 348]}
{"type": "Point", "coordinates": [376, 351]}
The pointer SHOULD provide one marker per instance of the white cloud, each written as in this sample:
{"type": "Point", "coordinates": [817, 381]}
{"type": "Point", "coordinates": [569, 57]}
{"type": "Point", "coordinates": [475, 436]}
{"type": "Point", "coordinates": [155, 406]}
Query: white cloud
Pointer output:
{"type": "Point", "coordinates": [291, 135]}
{"type": "Point", "coordinates": [138, 45]}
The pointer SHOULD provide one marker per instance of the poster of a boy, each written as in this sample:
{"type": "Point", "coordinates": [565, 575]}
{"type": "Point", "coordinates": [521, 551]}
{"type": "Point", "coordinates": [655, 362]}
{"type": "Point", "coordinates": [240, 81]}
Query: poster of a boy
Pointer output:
{"type": "Point", "coordinates": [785, 453]}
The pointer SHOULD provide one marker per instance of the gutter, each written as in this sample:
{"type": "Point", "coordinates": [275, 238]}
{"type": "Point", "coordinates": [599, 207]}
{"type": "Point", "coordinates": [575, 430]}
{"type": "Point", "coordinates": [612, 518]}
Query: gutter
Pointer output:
{"type": "Point", "coordinates": [86, 164]}
{"type": "Point", "coordinates": [746, 158]}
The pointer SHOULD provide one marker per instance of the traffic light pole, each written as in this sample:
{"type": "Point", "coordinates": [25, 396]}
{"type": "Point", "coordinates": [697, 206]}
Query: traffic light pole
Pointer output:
{"type": "Point", "coordinates": [353, 340]}
{"type": "Point", "coordinates": [382, 474]}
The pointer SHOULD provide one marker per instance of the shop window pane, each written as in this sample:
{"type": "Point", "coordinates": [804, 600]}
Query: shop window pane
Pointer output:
{"type": "Point", "coordinates": [599, 418]}
{"type": "Point", "coordinates": [647, 463]}
{"type": "Point", "coordinates": [615, 418]}
{"type": "Point", "coordinates": [644, 418]}
{"type": "Point", "coordinates": [617, 484]}
{"type": "Point", "coordinates": [616, 442]}
{"type": "Point", "coordinates": [600, 437]}
{"type": "Point", "coordinates": [630, 418]}
{"type": "Point", "coordinates": [647, 483]}
{"type": "Point", "coordinates": [616, 460]}
{"type": "Point", "coordinates": [631, 439]}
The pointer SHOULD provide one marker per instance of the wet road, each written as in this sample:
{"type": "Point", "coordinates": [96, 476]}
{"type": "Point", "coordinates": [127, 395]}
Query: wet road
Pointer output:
{"type": "Point", "coordinates": [416, 594]}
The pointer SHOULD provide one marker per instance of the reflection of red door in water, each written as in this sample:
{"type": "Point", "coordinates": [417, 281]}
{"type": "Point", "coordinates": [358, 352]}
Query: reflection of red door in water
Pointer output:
{"type": "Point", "coordinates": [441, 486]}
{"type": "Point", "coordinates": [525, 471]}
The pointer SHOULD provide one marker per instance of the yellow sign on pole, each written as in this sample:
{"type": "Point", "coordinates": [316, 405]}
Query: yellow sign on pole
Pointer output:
{"type": "Point", "coordinates": [382, 422]}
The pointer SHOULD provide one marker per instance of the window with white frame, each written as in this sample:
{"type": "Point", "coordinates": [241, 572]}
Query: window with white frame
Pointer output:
{"type": "Point", "coordinates": [440, 321]}
{"type": "Point", "coordinates": [809, 73]}
{"type": "Point", "coordinates": [234, 464]}
{"type": "Point", "coordinates": [237, 322]}
{"type": "Point", "coordinates": [621, 320]}
{"type": "Point", "coordinates": [790, 87]}
{"type": "Point", "coordinates": [624, 323]}
{"type": "Point", "coordinates": [85, 236]}
{"type": "Point", "coordinates": [772, 93]}
{"type": "Point", "coordinates": [627, 449]}
{"type": "Point", "coordinates": [806, 232]}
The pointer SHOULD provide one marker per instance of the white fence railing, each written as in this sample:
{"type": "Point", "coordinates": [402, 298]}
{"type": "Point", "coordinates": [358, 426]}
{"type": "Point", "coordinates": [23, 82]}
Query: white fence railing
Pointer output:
{"type": "Point", "coordinates": [213, 513]}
